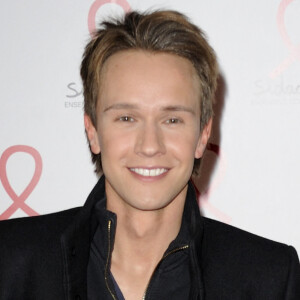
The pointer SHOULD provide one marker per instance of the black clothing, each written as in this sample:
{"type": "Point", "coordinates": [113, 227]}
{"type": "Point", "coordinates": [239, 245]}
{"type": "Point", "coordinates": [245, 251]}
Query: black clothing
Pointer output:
{"type": "Point", "coordinates": [171, 278]}
{"type": "Point", "coordinates": [53, 257]}
{"type": "Point", "coordinates": [117, 289]}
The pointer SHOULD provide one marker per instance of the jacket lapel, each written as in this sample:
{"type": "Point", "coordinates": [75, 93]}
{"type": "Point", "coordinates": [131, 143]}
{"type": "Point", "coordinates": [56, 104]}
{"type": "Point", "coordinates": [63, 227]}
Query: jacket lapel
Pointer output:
{"type": "Point", "coordinates": [75, 245]}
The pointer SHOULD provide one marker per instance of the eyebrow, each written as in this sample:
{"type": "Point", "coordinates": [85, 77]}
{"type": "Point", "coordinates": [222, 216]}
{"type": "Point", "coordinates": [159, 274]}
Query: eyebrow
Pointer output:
{"type": "Point", "coordinates": [178, 108]}
{"type": "Point", "coordinates": [118, 106]}
{"type": "Point", "coordinates": [121, 106]}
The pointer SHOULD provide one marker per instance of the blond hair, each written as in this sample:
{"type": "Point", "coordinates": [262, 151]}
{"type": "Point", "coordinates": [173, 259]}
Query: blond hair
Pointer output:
{"type": "Point", "coordinates": [158, 31]}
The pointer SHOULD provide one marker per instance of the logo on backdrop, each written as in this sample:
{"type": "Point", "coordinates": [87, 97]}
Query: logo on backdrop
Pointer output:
{"type": "Point", "coordinates": [74, 96]}
{"type": "Point", "coordinates": [75, 90]}
{"type": "Point", "coordinates": [277, 88]}
{"type": "Point", "coordinates": [19, 200]}
{"type": "Point", "coordinates": [97, 5]}
{"type": "Point", "coordinates": [203, 198]}
{"type": "Point", "coordinates": [294, 50]}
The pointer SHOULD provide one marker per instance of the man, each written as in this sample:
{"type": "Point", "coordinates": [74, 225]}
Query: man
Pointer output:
{"type": "Point", "coordinates": [149, 81]}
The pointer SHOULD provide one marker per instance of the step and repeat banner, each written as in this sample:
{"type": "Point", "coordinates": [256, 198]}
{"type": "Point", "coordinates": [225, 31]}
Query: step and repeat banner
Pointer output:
{"type": "Point", "coordinates": [250, 176]}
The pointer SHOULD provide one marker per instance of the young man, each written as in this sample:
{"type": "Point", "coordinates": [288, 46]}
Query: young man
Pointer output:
{"type": "Point", "coordinates": [149, 81]}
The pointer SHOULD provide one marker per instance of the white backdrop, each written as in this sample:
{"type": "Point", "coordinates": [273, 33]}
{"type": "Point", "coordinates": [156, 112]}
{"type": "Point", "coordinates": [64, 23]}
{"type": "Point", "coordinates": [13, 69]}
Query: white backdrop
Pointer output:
{"type": "Point", "coordinates": [45, 163]}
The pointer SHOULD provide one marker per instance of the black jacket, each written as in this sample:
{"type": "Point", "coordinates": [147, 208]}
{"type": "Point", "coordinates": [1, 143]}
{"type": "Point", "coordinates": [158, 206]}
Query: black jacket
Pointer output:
{"type": "Point", "coordinates": [47, 257]}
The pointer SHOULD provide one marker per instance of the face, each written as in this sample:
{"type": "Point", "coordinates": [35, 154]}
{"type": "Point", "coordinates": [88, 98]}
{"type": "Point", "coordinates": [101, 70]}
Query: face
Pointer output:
{"type": "Point", "coordinates": [148, 128]}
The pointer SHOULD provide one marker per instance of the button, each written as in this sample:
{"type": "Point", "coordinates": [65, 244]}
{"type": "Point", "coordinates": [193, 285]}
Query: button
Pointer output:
{"type": "Point", "coordinates": [73, 251]}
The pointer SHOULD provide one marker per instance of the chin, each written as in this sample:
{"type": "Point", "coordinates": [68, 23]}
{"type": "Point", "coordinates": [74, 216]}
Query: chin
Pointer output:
{"type": "Point", "coordinates": [149, 207]}
{"type": "Point", "coordinates": [152, 202]}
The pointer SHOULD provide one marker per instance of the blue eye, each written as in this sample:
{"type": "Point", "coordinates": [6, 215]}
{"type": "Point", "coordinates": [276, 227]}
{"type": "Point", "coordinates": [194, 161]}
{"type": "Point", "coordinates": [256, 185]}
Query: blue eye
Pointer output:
{"type": "Point", "coordinates": [126, 119]}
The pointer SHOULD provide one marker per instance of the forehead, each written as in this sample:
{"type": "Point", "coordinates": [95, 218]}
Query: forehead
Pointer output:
{"type": "Point", "coordinates": [149, 78]}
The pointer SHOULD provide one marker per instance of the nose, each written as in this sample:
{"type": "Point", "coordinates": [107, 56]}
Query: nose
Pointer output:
{"type": "Point", "coordinates": [150, 141]}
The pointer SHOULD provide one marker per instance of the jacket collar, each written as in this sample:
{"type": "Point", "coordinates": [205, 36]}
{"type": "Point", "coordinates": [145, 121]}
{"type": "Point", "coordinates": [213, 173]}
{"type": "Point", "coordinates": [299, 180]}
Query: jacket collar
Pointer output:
{"type": "Point", "coordinates": [77, 238]}
{"type": "Point", "coordinates": [75, 243]}
{"type": "Point", "coordinates": [191, 226]}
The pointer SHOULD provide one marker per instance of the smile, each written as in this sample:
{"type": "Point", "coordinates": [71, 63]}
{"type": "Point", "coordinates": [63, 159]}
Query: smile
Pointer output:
{"type": "Point", "coordinates": [149, 172]}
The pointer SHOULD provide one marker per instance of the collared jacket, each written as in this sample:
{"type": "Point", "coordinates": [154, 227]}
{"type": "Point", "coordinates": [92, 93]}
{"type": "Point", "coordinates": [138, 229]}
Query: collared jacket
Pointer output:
{"type": "Point", "coordinates": [49, 257]}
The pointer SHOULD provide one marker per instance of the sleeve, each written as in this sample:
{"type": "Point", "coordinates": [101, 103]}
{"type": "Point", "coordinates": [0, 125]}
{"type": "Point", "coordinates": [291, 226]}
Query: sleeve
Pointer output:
{"type": "Point", "coordinates": [293, 281]}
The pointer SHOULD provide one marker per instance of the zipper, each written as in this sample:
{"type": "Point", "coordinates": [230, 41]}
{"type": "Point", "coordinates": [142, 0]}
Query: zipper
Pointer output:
{"type": "Point", "coordinates": [107, 261]}
{"type": "Point", "coordinates": [109, 254]}
{"type": "Point", "coordinates": [166, 255]}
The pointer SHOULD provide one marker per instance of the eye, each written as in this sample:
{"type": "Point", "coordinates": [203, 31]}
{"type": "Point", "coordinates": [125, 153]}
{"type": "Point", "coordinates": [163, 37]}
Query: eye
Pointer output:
{"type": "Point", "coordinates": [126, 119]}
{"type": "Point", "coordinates": [173, 121]}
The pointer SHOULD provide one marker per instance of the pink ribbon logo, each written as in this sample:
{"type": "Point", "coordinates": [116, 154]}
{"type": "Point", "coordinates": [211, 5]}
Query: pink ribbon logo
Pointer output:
{"type": "Point", "coordinates": [96, 5]}
{"type": "Point", "coordinates": [294, 50]}
{"type": "Point", "coordinates": [203, 197]}
{"type": "Point", "coordinates": [19, 201]}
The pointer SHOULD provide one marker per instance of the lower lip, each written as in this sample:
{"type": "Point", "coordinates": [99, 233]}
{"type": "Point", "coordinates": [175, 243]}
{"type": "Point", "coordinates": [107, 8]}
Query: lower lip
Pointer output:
{"type": "Point", "coordinates": [148, 178]}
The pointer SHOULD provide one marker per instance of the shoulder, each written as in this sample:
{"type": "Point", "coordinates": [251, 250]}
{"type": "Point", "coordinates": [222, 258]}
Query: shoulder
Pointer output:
{"type": "Point", "coordinates": [229, 240]}
{"type": "Point", "coordinates": [35, 228]}
{"type": "Point", "coordinates": [243, 258]}
{"type": "Point", "coordinates": [31, 258]}
{"type": "Point", "coordinates": [222, 235]}
{"type": "Point", "coordinates": [26, 242]}
{"type": "Point", "coordinates": [47, 218]}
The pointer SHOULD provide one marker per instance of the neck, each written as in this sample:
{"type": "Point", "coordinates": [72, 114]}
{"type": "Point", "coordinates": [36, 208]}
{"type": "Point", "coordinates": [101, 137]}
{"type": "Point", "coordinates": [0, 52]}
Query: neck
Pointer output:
{"type": "Point", "coordinates": [141, 240]}
{"type": "Point", "coordinates": [142, 237]}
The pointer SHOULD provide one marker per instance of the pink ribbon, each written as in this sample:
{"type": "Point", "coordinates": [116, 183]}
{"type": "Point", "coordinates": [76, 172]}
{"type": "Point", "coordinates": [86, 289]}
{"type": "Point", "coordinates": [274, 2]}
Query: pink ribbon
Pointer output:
{"type": "Point", "coordinates": [19, 201]}
{"type": "Point", "coordinates": [96, 5]}
{"type": "Point", "coordinates": [203, 198]}
{"type": "Point", "coordinates": [294, 50]}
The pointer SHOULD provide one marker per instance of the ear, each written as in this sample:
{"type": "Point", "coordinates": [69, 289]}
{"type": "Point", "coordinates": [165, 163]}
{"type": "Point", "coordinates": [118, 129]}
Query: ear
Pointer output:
{"type": "Point", "coordinates": [203, 139]}
{"type": "Point", "coordinates": [91, 133]}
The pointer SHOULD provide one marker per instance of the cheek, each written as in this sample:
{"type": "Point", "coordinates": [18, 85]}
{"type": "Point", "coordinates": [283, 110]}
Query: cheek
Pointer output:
{"type": "Point", "coordinates": [183, 145]}
{"type": "Point", "coordinates": [114, 143]}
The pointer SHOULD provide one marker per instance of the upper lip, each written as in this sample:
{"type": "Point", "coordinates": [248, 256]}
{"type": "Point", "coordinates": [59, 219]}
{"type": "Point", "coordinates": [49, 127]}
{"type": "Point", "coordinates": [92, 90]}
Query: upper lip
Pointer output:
{"type": "Point", "coordinates": [148, 168]}
{"type": "Point", "coordinates": [152, 172]}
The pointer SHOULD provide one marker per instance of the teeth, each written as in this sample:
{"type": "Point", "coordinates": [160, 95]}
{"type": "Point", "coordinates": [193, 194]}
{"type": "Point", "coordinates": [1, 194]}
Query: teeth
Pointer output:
{"type": "Point", "coordinates": [149, 172]}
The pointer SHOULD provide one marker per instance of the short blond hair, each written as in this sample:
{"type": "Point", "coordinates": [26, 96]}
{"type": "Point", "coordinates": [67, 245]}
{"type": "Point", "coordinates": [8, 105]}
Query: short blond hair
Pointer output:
{"type": "Point", "coordinates": [158, 31]}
